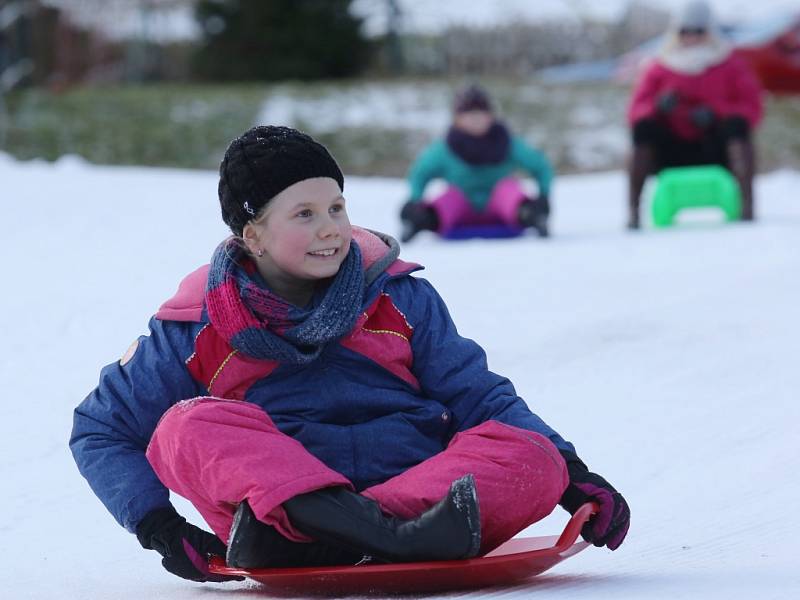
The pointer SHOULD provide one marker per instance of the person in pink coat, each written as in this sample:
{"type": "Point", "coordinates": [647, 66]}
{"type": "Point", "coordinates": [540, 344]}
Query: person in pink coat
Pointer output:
{"type": "Point", "coordinates": [696, 102]}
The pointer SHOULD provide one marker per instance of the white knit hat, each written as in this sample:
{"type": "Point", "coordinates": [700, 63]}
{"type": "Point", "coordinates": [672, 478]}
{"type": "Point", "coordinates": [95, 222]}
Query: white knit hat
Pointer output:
{"type": "Point", "coordinates": [695, 15]}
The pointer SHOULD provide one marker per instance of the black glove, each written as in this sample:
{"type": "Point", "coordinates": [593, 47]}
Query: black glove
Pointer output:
{"type": "Point", "coordinates": [667, 102]}
{"type": "Point", "coordinates": [416, 217]}
{"type": "Point", "coordinates": [702, 117]}
{"type": "Point", "coordinates": [185, 548]}
{"type": "Point", "coordinates": [610, 525]}
{"type": "Point", "coordinates": [544, 204]}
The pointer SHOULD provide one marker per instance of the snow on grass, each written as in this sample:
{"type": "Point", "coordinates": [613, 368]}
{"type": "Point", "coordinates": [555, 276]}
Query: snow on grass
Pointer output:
{"type": "Point", "coordinates": [362, 105]}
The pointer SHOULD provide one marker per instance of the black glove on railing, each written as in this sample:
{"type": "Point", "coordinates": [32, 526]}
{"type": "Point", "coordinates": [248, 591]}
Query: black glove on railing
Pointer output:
{"type": "Point", "coordinates": [610, 525]}
{"type": "Point", "coordinates": [185, 548]}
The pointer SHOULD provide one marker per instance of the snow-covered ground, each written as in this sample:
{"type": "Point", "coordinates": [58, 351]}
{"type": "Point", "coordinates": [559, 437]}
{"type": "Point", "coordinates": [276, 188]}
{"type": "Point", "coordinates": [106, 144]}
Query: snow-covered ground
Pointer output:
{"type": "Point", "coordinates": [670, 358]}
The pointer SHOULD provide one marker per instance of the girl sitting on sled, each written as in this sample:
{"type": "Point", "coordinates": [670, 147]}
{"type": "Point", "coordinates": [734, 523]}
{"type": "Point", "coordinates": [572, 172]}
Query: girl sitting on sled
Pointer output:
{"type": "Point", "coordinates": [480, 160]}
{"type": "Point", "coordinates": [296, 392]}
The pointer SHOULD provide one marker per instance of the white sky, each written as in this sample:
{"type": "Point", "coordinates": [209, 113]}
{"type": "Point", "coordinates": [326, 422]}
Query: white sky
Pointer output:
{"type": "Point", "coordinates": [430, 15]}
{"type": "Point", "coordinates": [122, 17]}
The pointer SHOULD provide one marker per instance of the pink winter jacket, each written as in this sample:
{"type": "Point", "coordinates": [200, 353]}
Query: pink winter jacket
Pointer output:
{"type": "Point", "coordinates": [727, 88]}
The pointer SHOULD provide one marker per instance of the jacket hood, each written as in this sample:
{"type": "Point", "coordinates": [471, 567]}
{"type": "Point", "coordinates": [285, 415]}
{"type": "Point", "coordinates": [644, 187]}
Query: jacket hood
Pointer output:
{"type": "Point", "coordinates": [378, 251]}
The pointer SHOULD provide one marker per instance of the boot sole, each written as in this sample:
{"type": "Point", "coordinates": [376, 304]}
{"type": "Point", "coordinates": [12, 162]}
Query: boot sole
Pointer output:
{"type": "Point", "coordinates": [465, 498]}
{"type": "Point", "coordinates": [243, 518]}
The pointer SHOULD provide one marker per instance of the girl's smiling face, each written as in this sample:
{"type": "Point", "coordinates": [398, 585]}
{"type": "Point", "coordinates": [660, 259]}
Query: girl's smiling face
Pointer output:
{"type": "Point", "coordinates": [302, 236]}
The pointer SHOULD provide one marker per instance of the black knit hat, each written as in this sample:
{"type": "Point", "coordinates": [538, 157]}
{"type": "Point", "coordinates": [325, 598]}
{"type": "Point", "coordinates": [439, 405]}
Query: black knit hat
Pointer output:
{"type": "Point", "coordinates": [263, 162]}
{"type": "Point", "coordinates": [472, 97]}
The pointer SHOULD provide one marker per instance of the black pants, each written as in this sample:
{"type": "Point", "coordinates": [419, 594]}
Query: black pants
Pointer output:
{"type": "Point", "coordinates": [673, 151]}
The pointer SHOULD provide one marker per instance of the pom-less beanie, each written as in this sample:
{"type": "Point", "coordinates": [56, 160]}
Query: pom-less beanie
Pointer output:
{"type": "Point", "coordinates": [263, 162]}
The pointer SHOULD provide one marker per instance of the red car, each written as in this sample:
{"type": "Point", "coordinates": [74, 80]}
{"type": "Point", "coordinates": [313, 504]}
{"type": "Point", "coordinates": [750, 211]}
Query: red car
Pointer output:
{"type": "Point", "coordinates": [771, 46]}
{"type": "Point", "coordinates": [776, 58]}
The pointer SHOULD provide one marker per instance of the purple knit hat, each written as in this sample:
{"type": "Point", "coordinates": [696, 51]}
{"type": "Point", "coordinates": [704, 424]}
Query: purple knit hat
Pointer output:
{"type": "Point", "coordinates": [472, 97]}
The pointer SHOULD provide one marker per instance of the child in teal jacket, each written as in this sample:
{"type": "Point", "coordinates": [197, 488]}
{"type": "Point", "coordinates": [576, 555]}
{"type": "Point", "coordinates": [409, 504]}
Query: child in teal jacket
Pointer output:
{"type": "Point", "coordinates": [479, 159]}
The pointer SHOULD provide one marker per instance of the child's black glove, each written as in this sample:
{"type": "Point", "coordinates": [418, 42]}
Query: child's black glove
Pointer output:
{"type": "Point", "coordinates": [185, 548]}
{"type": "Point", "coordinates": [417, 216]}
{"type": "Point", "coordinates": [544, 204]}
{"type": "Point", "coordinates": [610, 525]}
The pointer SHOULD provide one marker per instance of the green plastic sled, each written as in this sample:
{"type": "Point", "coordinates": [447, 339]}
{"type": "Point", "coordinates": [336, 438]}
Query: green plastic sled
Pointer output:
{"type": "Point", "coordinates": [691, 187]}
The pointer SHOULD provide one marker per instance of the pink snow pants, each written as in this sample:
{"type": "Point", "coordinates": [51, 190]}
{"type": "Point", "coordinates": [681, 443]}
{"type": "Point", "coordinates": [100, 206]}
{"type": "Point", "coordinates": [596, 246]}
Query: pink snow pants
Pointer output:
{"type": "Point", "coordinates": [454, 209]}
{"type": "Point", "coordinates": [217, 453]}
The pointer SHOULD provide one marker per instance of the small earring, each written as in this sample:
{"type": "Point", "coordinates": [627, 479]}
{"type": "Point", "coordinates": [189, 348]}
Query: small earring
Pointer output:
{"type": "Point", "coordinates": [260, 252]}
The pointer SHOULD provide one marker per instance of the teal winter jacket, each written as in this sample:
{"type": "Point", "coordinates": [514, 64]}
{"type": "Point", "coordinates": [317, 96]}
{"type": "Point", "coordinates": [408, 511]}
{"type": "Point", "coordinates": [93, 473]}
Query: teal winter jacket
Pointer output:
{"type": "Point", "coordinates": [438, 161]}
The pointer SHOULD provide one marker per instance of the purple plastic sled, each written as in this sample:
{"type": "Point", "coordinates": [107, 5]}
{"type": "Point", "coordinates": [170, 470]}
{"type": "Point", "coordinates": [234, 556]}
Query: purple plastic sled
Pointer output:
{"type": "Point", "coordinates": [489, 231]}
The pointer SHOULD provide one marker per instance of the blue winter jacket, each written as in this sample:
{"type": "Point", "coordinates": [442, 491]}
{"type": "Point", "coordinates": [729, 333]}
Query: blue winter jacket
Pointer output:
{"type": "Point", "coordinates": [349, 411]}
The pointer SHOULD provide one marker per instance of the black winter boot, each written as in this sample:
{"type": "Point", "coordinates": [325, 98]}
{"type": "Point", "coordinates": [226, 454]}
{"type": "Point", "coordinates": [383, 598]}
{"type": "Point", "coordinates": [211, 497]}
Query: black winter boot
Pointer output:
{"type": "Point", "coordinates": [416, 217]}
{"type": "Point", "coordinates": [256, 545]}
{"type": "Point", "coordinates": [535, 213]}
{"type": "Point", "coordinates": [741, 159]}
{"type": "Point", "coordinates": [642, 164]}
{"type": "Point", "coordinates": [449, 530]}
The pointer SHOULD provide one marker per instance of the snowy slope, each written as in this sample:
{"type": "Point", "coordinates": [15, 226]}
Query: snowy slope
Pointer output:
{"type": "Point", "coordinates": [669, 358]}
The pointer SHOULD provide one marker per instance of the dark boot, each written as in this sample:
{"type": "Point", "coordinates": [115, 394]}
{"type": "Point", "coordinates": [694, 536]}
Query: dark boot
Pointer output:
{"type": "Point", "coordinates": [642, 164]}
{"type": "Point", "coordinates": [256, 545]}
{"type": "Point", "coordinates": [449, 530]}
{"type": "Point", "coordinates": [535, 214]}
{"type": "Point", "coordinates": [416, 217]}
{"type": "Point", "coordinates": [741, 160]}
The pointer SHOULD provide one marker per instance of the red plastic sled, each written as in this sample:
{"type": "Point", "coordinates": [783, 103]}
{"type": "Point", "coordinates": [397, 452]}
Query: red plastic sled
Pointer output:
{"type": "Point", "coordinates": [516, 560]}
